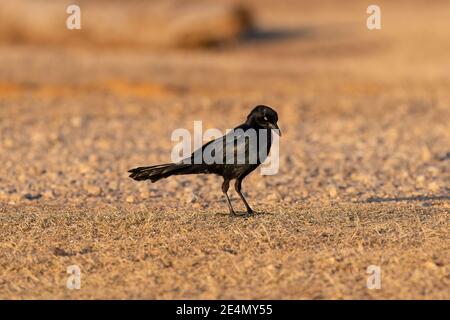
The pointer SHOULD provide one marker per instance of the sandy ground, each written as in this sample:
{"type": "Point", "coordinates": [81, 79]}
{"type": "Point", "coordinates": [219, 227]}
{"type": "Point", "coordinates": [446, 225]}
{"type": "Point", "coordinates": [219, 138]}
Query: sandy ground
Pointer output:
{"type": "Point", "coordinates": [364, 176]}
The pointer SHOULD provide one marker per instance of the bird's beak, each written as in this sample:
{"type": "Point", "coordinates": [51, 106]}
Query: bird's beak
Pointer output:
{"type": "Point", "coordinates": [276, 128]}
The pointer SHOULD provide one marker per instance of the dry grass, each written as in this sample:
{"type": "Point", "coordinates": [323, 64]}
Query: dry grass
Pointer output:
{"type": "Point", "coordinates": [284, 253]}
{"type": "Point", "coordinates": [364, 177]}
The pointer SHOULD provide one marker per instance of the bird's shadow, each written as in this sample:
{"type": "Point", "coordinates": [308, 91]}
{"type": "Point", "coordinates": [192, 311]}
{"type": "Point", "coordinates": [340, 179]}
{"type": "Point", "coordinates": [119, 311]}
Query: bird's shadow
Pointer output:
{"type": "Point", "coordinates": [413, 198]}
{"type": "Point", "coordinates": [243, 214]}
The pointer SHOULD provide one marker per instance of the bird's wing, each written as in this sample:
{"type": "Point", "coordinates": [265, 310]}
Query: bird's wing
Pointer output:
{"type": "Point", "coordinates": [234, 142]}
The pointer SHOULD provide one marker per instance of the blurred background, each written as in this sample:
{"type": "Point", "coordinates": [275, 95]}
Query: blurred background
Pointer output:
{"type": "Point", "coordinates": [365, 113]}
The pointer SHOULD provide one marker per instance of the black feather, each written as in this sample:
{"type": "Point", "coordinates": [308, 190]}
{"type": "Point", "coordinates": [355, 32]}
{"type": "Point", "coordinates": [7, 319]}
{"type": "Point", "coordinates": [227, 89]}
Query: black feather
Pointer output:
{"type": "Point", "coordinates": [260, 118]}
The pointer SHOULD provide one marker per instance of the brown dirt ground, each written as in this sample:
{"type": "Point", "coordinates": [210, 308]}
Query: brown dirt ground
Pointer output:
{"type": "Point", "coordinates": [364, 177]}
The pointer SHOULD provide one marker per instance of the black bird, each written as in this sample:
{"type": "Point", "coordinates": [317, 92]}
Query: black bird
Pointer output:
{"type": "Point", "coordinates": [232, 156]}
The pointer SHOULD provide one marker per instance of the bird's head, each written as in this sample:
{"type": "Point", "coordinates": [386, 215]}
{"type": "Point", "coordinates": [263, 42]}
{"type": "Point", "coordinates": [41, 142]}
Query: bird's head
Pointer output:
{"type": "Point", "coordinates": [264, 117]}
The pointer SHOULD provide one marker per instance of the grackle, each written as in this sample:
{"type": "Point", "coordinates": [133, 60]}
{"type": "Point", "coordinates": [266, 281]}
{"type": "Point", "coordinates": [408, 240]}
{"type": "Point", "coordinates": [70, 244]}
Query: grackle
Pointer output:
{"type": "Point", "coordinates": [232, 156]}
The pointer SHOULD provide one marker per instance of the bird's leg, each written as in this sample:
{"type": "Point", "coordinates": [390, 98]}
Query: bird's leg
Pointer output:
{"type": "Point", "coordinates": [237, 187]}
{"type": "Point", "coordinates": [225, 186]}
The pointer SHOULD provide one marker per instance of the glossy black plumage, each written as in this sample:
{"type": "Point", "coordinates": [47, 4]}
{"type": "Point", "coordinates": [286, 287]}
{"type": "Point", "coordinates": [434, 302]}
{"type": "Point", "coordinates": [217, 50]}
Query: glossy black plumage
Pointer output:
{"type": "Point", "coordinates": [248, 151]}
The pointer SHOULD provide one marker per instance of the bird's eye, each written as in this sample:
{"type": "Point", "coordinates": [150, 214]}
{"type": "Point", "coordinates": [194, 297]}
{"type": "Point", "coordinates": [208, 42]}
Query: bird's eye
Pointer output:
{"type": "Point", "coordinates": [265, 119]}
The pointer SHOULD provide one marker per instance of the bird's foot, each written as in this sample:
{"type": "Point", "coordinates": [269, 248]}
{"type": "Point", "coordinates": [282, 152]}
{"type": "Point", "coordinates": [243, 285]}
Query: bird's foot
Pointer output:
{"type": "Point", "coordinates": [250, 211]}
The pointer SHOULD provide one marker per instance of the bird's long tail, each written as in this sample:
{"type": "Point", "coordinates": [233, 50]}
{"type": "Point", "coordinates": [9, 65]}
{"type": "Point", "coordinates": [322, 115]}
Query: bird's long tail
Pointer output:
{"type": "Point", "coordinates": [155, 173]}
